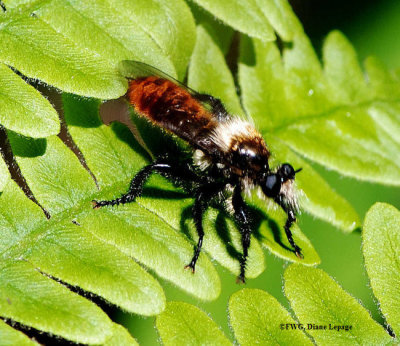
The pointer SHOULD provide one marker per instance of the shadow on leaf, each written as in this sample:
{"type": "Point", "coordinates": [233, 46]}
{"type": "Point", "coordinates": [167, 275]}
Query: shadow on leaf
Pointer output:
{"type": "Point", "coordinates": [258, 216]}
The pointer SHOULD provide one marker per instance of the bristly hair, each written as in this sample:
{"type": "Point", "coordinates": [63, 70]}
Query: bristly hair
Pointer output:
{"type": "Point", "coordinates": [236, 128]}
{"type": "Point", "coordinates": [290, 194]}
{"type": "Point", "coordinates": [201, 160]}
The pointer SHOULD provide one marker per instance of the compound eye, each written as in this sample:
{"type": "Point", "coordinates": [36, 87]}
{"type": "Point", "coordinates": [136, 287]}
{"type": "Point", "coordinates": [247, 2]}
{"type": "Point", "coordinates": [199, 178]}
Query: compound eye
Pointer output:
{"type": "Point", "coordinates": [271, 185]}
{"type": "Point", "coordinates": [286, 171]}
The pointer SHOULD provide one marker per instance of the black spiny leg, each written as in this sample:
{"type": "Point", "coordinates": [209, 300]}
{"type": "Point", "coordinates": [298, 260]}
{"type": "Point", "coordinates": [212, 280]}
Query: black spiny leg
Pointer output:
{"type": "Point", "coordinates": [241, 215]}
{"type": "Point", "coordinates": [291, 218]}
{"type": "Point", "coordinates": [204, 196]}
{"type": "Point", "coordinates": [136, 187]}
{"type": "Point", "coordinates": [198, 210]}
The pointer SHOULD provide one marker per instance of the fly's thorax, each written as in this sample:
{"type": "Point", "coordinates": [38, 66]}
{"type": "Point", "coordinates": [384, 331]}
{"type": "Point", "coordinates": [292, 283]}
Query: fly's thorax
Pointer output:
{"type": "Point", "coordinates": [242, 147]}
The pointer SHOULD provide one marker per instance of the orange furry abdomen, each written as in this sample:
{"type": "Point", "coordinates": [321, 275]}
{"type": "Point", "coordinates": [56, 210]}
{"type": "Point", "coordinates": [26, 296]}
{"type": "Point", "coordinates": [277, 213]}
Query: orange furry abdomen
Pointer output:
{"type": "Point", "coordinates": [170, 106]}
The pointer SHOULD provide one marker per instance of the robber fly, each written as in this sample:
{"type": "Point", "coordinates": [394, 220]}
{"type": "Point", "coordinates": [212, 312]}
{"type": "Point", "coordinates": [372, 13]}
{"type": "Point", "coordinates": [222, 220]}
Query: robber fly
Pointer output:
{"type": "Point", "coordinates": [229, 155]}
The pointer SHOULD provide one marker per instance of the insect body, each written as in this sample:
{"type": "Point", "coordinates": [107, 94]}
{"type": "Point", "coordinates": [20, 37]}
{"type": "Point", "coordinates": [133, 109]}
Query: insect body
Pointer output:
{"type": "Point", "coordinates": [229, 152]}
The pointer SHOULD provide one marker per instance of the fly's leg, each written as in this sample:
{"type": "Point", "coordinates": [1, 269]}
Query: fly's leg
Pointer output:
{"type": "Point", "coordinates": [242, 218]}
{"type": "Point", "coordinates": [137, 183]}
{"type": "Point", "coordinates": [203, 198]}
{"type": "Point", "coordinates": [198, 211]}
{"type": "Point", "coordinates": [291, 218]}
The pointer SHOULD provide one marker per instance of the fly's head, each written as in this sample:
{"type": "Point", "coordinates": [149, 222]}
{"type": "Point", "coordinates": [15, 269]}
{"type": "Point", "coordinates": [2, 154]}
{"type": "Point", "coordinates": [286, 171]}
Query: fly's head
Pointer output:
{"type": "Point", "coordinates": [279, 184]}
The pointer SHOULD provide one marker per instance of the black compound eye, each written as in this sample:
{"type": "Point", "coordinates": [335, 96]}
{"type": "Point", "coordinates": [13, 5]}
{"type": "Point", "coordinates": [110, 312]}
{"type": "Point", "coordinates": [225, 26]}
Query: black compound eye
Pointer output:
{"type": "Point", "coordinates": [271, 186]}
{"type": "Point", "coordinates": [286, 171]}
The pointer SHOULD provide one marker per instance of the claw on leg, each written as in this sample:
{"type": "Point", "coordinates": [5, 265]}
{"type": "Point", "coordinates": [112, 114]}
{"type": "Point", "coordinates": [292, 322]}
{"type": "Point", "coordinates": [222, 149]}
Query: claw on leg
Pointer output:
{"type": "Point", "coordinates": [191, 266]}
{"type": "Point", "coordinates": [240, 280]}
{"type": "Point", "coordinates": [99, 204]}
{"type": "Point", "coordinates": [96, 204]}
{"type": "Point", "coordinates": [298, 253]}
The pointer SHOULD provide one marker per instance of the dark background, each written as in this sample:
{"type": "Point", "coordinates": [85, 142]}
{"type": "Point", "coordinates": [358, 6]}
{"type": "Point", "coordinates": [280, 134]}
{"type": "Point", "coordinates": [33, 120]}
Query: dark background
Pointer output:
{"type": "Point", "coordinates": [372, 26]}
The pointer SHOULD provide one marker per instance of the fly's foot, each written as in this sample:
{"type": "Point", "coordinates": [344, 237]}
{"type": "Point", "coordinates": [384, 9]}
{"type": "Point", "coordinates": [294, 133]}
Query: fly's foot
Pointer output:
{"type": "Point", "coordinates": [298, 253]}
{"type": "Point", "coordinates": [191, 266]}
{"type": "Point", "coordinates": [96, 204]}
{"type": "Point", "coordinates": [240, 280]}
{"type": "Point", "coordinates": [122, 200]}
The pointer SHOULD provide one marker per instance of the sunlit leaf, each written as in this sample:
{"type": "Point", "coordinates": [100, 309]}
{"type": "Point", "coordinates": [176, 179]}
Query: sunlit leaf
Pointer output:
{"type": "Point", "coordinates": [133, 30]}
{"type": "Point", "coordinates": [208, 62]}
{"type": "Point", "coordinates": [55, 59]}
{"type": "Point", "coordinates": [71, 60]}
{"type": "Point", "coordinates": [317, 299]}
{"type": "Point", "coordinates": [31, 245]}
{"type": "Point", "coordinates": [221, 33]}
{"type": "Point", "coordinates": [10, 336]}
{"type": "Point", "coordinates": [258, 319]}
{"type": "Point", "coordinates": [381, 248]}
{"type": "Point", "coordinates": [76, 256]}
{"type": "Point", "coordinates": [330, 115]}
{"type": "Point", "coordinates": [61, 249]}
{"type": "Point", "coordinates": [23, 109]}
{"type": "Point", "coordinates": [255, 17]}
{"type": "Point", "coordinates": [185, 324]}
{"type": "Point", "coordinates": [30, 298]}
{"type": "Point", "coordinates": [120, 336]}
